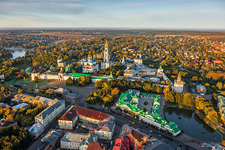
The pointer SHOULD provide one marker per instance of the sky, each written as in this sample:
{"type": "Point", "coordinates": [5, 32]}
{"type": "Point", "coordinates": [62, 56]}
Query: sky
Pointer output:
{"type": "Point", "coordinates": [158, 14]}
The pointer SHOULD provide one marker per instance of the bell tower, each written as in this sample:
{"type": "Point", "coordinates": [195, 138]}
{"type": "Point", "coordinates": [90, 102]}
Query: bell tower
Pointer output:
{"type": "Point", "coordinates": [106, 53]}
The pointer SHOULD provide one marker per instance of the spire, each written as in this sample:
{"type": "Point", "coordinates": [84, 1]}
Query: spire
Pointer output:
{"type": "Point", "coordinates": [111, 75]}
{"type": "Point", "coordinates": [106, 43]}
{"type": "Point", "coordinates": [160, 68]}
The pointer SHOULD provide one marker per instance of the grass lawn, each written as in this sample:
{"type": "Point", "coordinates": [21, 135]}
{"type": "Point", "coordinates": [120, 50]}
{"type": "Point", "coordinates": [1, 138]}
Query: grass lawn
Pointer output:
{"type": "Point", "coordinates": [27, 83]}
{"type": "Point", "coordinates": [10, 81]}
{"type": "Point", "coordinates": [23, 66]}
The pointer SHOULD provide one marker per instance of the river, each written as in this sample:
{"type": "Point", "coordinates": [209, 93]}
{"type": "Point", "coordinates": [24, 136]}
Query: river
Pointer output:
{"type": "Point", "coordinates": [191, 124]}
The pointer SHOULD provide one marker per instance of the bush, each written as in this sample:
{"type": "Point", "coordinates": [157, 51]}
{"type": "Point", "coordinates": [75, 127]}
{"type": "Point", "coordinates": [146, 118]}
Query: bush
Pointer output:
{"type": "Point", "coordinates": [69, 81]}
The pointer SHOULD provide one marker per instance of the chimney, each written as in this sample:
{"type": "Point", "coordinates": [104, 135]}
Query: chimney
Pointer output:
{"type": "Point", "coordinates": [49, 133]}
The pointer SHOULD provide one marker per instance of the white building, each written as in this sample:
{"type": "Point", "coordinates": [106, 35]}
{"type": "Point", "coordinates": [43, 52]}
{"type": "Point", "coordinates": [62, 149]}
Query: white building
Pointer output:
{"type": "Point", "coordinates": [138, 61]}
{"type": "Point", "coordinates": [90, 65]}
{"type": "Point", "coordinates": [50, 113]}
{"type": "Point", "coordinates": [78, 141]}
{"type": "Point", "coordinates": [36, 129]}
{"type": "Point", "coordinates": [106, 60]}
{"type": "Point", "coordinates": [178, 85]}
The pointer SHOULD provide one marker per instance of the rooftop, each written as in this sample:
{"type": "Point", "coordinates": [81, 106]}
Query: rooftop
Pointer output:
{"type": "Point", "coordinates": [20, 105]}
{"type": "Point", "coordinates": [52, 136]}
{"type": "Point", "coordinates": [49, 110]}
{"type": "Point", "coordinates": [70, 114]}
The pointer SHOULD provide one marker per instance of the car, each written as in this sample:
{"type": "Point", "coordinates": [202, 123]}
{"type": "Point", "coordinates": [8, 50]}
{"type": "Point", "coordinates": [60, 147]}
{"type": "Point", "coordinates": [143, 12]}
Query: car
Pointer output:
{"type": "Point", "coordinates": [117, 113]}
{"type": "Point", "coordinates": [132, 122]}
{"type": "Point", "coordinates": [150, 130]}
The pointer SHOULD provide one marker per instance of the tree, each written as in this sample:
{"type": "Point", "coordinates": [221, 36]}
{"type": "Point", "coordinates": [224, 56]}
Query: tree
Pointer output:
{"type": "Point", "coordinates": [36, 79]}
{"type": "Point", "coordinates": [145, 103]}
{"type": "Point", "coordinates": [219, 85]}
{"type": "Point", "coordinates": [188, 100]}
{"type": "Point", "coordinates": [142, 75]}
{"type": "Point", "coordinates": [144, 110]}
{"type": "Point", "coordinates": [98, 84]}
{"type": "Point", "coordinates": [69, 81]}
{"type": "Point", "coordinates": [195, 78]}
{"type": "Point", "coordinates": [20, 91]}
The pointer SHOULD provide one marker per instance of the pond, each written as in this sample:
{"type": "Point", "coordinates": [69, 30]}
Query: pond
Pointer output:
{"type": "Point", "coordinates": [17, 54]}
{"type": "Point", "coordinates": [191, 124]}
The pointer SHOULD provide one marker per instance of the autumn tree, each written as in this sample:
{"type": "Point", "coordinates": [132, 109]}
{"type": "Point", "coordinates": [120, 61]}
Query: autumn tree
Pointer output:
{"type": "Point", "coordinates": [69, 81]}
{"type": "Point", "coordinates": [219, 85]}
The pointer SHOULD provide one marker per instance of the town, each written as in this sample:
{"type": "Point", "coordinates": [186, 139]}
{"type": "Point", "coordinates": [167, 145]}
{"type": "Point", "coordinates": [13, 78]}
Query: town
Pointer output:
{"type": "Point", "coordinates": [141, 92]}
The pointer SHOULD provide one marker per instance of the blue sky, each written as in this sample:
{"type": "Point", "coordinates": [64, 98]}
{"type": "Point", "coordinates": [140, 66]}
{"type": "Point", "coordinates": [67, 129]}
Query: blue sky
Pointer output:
{"type": "Point", "coordinates": [169, 14]}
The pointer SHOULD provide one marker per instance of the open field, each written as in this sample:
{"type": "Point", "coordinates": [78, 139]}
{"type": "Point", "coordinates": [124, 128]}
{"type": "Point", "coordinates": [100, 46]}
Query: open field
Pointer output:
{"type": "Point", "coordinates": [60, 34]}
{"type": "Point", "coordinates": [27, 83]}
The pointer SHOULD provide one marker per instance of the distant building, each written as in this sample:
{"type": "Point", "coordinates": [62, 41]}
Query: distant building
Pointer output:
{"type": "Point", "coordinates": [50, 113]}
{"type": "Point", "coordinates": [79, 141]}
{"type": "Point", "coordinates": [201, 89]}
{"type": "Point", "coordinates": [52, 137]}
{"type": "Point", "coordinates": [178, 84]}
{"type": "Point", "coordinates": [217, 61]}
{"type": "Point", "coordinates": [36, 129]}
{"type": "Point", "coordinates": [138, 61]}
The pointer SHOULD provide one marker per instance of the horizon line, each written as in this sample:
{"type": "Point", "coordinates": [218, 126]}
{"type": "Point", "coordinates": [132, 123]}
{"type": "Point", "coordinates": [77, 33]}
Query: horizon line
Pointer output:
{"type": "Point", "coordinates": [112, 28]}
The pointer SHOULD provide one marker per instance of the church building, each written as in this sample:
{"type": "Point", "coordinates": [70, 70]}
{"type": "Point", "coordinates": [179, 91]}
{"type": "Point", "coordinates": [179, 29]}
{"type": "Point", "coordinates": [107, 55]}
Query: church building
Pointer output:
{"type": "Point", "coordinates": [90, 65]}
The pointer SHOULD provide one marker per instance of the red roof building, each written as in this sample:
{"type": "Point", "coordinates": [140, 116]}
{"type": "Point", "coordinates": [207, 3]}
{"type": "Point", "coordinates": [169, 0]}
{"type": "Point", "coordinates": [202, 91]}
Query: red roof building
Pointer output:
{"type": "Point", "coordinates": [208, 63]}
{"type": "Point", "coordinates": [217, 61]}
{"type": "Point", "coordinates": [95, 146]}
{"type": "Point", "coordinates": [105, 123]}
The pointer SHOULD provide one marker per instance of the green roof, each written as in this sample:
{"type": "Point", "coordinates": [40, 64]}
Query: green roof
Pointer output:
{"type": "Point", "coordinates": [80, 75]}
{"type": "Point", "coordinates": [28, 70]}
{"type": "Point", "coordinates": [172, 125]}
{"type": "Point", "coordinates": [160, 68]}
{"type": "Point", "coordinates": [68, 69]}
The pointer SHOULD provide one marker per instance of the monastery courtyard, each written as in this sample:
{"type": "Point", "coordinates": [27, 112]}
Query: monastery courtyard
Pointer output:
{"type": "Point", "coordinates": [83, 91]}
{"type": "Point", "coordinates": [143, 100]}
{"type": "Point", "coordinates": [150, 102]}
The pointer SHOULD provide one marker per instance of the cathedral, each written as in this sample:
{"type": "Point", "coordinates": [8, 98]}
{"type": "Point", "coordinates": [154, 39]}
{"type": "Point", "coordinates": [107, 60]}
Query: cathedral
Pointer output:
{"type": "Point", "coordinates": [106, 61]}
{"type": "Point", "coordinates": [90, 65]}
